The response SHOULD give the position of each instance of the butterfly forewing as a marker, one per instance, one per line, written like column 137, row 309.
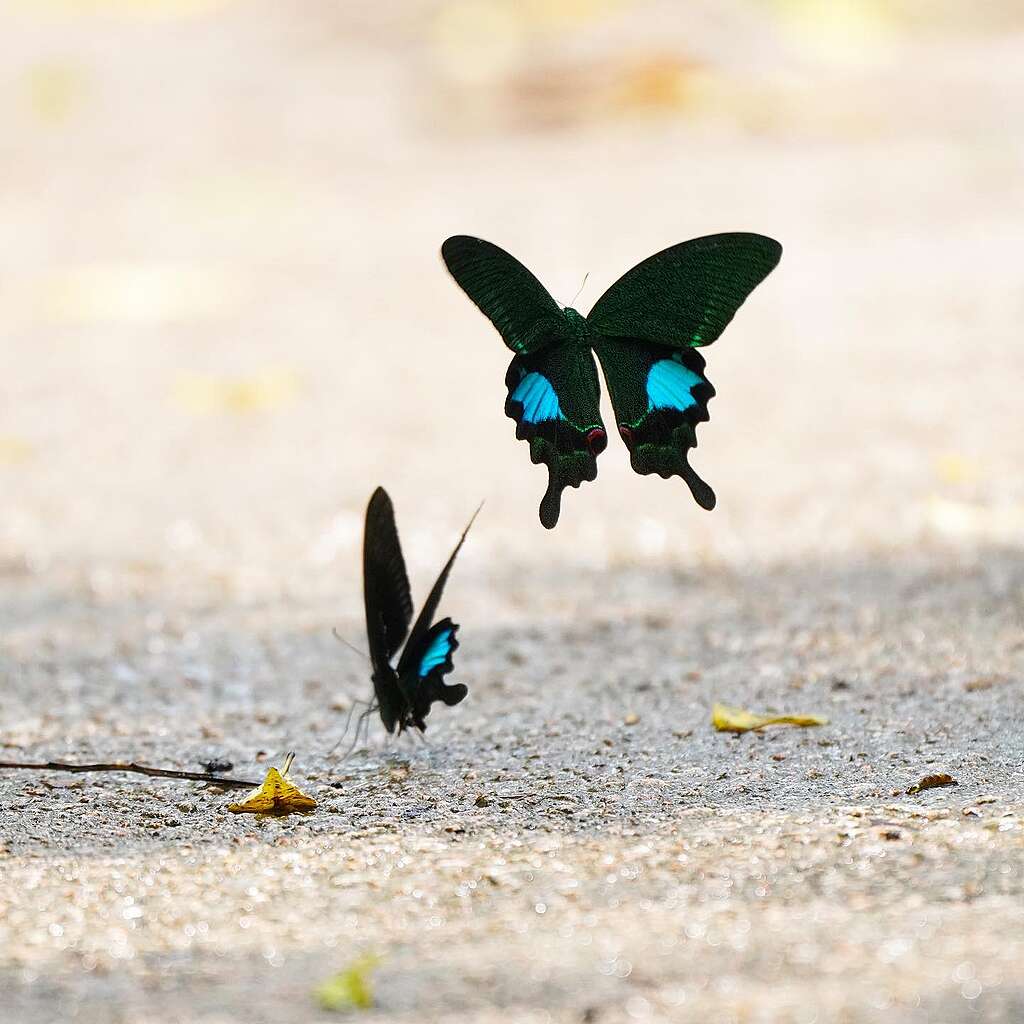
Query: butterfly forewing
column 385, row 583
column 687, row 294
column 526, row 316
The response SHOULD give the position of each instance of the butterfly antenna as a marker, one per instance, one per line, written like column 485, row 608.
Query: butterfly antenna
column 582, row 286
column 351, row 647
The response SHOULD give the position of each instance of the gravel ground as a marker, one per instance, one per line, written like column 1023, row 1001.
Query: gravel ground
column 225, row 322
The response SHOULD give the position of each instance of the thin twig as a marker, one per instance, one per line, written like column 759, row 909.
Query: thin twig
column 138, row 769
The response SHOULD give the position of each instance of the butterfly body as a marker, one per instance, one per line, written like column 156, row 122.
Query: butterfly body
column 404, row 691
column 645, row 331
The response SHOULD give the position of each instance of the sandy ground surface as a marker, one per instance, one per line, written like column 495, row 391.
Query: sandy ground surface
column 224, row 322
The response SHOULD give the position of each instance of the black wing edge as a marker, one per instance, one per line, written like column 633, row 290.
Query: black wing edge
column 423, row 620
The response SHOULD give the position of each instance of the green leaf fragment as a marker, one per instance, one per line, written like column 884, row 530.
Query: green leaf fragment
column 351, row 988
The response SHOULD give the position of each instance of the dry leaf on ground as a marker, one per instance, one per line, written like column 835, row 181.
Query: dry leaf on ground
column 276, row 796
column 932, row 782
column 266, row 391
column 731, row 719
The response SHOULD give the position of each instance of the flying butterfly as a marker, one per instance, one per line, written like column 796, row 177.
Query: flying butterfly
column 404, row 693
column 645, row 330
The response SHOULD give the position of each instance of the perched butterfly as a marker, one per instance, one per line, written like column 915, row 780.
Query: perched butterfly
column 645, row 330
column 405, row 692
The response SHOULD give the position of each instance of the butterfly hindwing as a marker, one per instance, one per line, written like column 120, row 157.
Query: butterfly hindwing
column 660, row 395
column 519, row 306
column 685, row 296
column 554, row 397
column 429, row 663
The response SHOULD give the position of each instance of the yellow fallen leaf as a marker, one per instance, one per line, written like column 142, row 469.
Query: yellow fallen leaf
column 276, row 796
column 54, row 89
column 953, row 468
column 729, row 719
column 265, row 391
column 349, row 988
column 932, row 782
column 658, row 83
column 14, row 449
column 847, row 31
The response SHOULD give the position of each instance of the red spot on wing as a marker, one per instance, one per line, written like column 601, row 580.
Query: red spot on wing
column 597, row 441
column 626, row 434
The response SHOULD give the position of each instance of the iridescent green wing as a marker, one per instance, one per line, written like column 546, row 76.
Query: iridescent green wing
column 686, row 295
column 554, row 397
column 646, row 328
column 518, row 305
column 553, row 391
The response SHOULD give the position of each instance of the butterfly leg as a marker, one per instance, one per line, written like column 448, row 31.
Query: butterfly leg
column 362, row 723
column 348, row 721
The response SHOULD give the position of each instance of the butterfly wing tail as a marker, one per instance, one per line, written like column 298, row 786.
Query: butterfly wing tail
column 663, row 448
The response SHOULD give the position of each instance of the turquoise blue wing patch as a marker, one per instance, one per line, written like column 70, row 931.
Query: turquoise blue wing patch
column 439, row 651
column 424, row 684
column 670, row 385
column 538, row 399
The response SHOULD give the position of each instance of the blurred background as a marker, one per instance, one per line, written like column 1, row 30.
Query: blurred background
column 224, row 318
